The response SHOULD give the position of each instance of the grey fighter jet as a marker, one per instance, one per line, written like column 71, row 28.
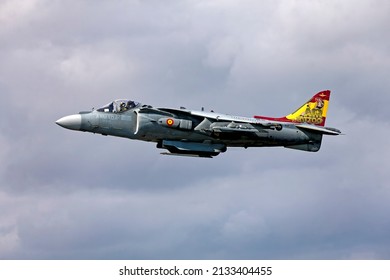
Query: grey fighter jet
column 206, row 134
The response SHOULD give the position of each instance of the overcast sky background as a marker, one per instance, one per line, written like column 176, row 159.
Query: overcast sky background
column 73, row 195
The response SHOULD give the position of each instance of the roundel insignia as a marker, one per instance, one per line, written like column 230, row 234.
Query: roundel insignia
column 170, row 122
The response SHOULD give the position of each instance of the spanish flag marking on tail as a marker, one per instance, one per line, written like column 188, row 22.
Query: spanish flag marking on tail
column 314, row 111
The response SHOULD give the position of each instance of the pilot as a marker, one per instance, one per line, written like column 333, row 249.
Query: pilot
column 123, row 107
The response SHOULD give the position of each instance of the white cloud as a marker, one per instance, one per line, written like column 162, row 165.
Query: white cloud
column 75, row 195
column 14, row 12
column 96, row 65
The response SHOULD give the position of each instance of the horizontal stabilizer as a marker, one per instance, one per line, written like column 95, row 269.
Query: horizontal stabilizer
column 320, row 130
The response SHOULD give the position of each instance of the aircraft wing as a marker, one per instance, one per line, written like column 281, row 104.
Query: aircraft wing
column 212, row 116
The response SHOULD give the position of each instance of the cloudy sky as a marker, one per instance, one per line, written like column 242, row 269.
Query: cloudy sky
column 73, row 195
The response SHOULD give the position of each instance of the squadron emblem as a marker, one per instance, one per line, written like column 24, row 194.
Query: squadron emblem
column 313, row 115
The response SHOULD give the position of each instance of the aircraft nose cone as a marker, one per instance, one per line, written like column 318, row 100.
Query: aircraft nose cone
column 70, row 122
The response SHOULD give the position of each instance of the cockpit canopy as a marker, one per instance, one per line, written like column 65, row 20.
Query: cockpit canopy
column 118, row 106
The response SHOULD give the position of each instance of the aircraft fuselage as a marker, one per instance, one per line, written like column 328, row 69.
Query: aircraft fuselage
column 200, row 133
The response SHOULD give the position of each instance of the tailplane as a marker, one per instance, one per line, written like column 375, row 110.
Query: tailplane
column 312, row 112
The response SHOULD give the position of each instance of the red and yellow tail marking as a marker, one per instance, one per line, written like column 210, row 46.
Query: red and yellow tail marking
column 312, row 112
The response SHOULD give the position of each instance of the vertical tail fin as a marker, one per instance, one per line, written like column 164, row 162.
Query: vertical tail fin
column 312, row 112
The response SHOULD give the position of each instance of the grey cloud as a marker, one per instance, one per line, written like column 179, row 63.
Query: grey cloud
column 75, row 195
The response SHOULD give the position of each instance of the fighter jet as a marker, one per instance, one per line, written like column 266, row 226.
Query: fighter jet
column 206, row 134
